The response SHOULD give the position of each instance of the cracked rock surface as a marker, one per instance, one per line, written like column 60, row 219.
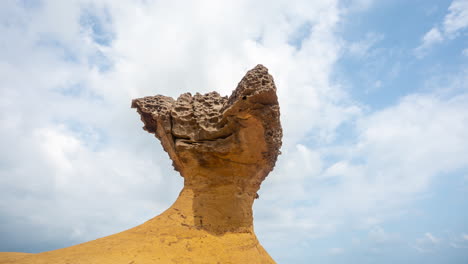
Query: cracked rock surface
column 224, row 147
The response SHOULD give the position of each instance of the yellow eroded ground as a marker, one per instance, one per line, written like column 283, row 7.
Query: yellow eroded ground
column 10, row 257
column 171, row 237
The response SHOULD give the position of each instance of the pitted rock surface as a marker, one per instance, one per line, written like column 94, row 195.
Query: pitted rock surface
column 206, row 123
column 224, row 148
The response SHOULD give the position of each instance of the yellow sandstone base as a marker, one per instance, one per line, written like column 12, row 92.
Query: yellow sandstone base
column 172, row 237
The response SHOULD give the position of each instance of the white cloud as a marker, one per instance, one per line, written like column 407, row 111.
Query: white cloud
column 465, row 52
column 459, row 242
column 77, row 149
column 75, row 153
column 336, row 251
column 397, row 154
column 357, row 5
column 432, row 238
column 454, row 23
column 427, row 243
column 457, row 18
column 363, row 47
column 432, row 37
column 378, row 84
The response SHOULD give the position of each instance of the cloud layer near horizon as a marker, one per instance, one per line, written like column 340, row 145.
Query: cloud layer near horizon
column 76, row 165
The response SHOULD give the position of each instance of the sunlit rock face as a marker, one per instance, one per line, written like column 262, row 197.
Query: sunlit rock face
column 224, row 148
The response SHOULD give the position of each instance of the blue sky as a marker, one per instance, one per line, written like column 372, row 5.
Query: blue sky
column 374, row 108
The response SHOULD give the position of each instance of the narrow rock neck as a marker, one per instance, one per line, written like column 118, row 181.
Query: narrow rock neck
column 216, row 208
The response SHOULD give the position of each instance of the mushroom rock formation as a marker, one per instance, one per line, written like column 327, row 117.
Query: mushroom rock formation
column 224, row 148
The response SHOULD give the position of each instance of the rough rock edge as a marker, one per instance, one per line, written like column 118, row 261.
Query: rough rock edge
column 255, row 94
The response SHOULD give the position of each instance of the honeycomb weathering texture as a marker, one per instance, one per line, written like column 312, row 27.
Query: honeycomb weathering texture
column 224, row 148
column 203, row 123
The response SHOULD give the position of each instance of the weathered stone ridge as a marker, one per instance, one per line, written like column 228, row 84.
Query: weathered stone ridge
column 224, row 148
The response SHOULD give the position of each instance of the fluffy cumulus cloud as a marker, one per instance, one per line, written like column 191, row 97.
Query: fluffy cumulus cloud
column 76, row 165
column 397, row 153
